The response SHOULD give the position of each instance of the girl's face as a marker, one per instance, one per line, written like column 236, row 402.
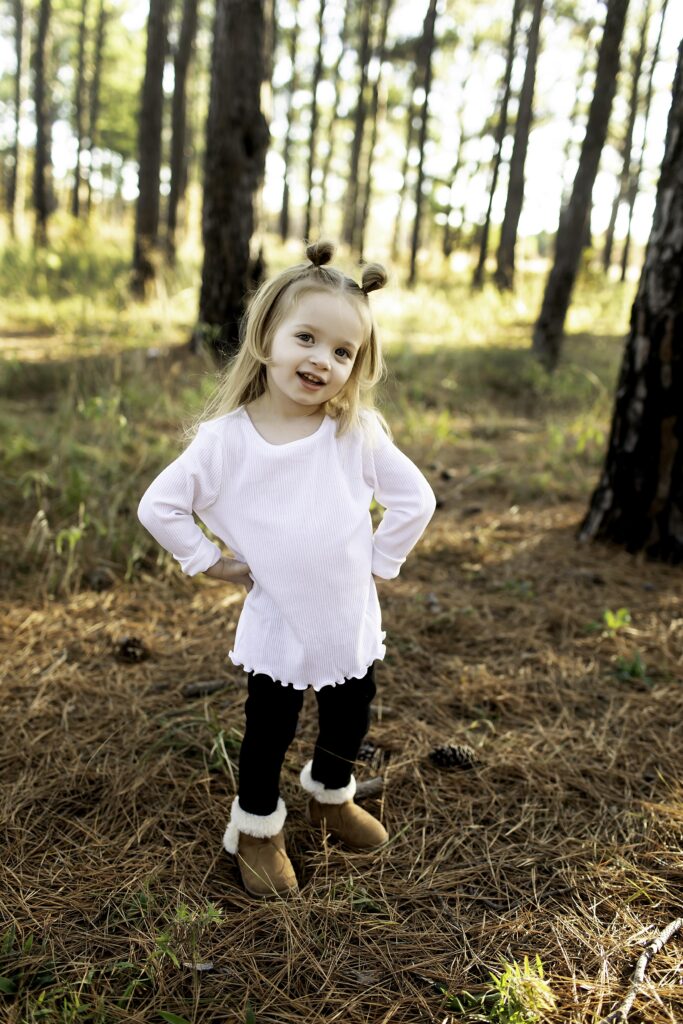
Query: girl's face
column 313, row 351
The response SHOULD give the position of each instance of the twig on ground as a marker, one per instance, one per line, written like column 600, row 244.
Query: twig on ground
column 200, row 689
column 371, row 787
column 619, row 1015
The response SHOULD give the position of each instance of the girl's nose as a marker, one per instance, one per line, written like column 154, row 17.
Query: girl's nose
column 320, row 359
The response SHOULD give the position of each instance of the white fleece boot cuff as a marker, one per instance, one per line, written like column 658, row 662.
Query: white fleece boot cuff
column 258, row 825
column 323, row 795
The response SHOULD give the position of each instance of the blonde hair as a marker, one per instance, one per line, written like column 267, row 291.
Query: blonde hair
column 244, row 378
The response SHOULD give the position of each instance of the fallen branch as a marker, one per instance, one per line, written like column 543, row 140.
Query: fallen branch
column 371, row 787
column 203, row 688
column 619, row 1015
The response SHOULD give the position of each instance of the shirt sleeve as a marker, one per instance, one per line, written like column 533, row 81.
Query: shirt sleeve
column 190, row 484
column 409, row 502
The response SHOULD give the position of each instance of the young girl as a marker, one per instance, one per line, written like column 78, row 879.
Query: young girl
column 285, row 477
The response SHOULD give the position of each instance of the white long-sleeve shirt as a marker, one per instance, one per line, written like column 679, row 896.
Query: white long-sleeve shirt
column 298, row 515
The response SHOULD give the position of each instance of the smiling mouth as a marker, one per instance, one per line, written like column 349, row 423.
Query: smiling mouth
column 311, row 379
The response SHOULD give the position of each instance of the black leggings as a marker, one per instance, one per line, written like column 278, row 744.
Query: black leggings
column 272, row 711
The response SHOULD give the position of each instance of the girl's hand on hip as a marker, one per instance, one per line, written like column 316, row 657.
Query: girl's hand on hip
column 232, row 571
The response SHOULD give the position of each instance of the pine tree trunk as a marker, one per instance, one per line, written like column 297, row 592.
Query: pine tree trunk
column 374, row 122
column 78, row 108
column 505, row 271
column 334, row 116
column 313, row 137
column 94, row 99
column 638, row 502
column 42, row 175
column 287, row 149
column 16, row 193
column 149, row 148
column 410, row 137
column 427, row 48
column 571, row 235
column 350, row 224
column 625, row 176
column 181, row 64
column 634, row 183
column 501, row 131
column 236, row 145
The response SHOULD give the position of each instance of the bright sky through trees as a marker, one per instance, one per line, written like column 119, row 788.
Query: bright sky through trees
column 558, row 68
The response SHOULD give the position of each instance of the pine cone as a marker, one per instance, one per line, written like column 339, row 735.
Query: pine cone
column 454, row 756
column 131, row 650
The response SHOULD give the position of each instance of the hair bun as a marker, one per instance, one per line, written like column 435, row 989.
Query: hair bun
column 374, row 277
column 320, row 253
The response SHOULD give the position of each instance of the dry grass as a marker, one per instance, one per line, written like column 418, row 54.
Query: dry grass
column 565, row 842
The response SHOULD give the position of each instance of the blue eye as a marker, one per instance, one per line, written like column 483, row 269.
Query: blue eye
column 343, row 352
column 304, row 336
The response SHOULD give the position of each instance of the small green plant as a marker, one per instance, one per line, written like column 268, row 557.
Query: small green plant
column 518, row 995
column 612, row 622
column 180, row 942
column 631, row 670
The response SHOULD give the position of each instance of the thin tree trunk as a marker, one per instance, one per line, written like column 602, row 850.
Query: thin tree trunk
column 374, row 121
column 79, row 102
column 638, row 502
column 42, row 176
column 550, row 325
column 505, row 271
column 236, row 144
column 181, row 64
column 334, row 117
column 634, row 184
column 501, row 131
column 287, row 149
column 317, row 75
column 584, row 71
column 149, row 148
column 16, row 199
column 427, row 48
column 410, row 138
column 351, row 199
column 94, row 99
column 625, row 176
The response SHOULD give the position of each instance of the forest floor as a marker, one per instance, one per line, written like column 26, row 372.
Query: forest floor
column 559, row 664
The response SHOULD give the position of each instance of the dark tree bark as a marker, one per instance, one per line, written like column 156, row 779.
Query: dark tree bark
column 625, row 176
column 236, row 144
column 149, row 148
column 374, row 122
column 425, row 63
column 42, row 199
column 287, row 148
column 349, row 227
column 638, row 502
column 313, row 138
column 584, row 71
column 550, row 324
column 94, row 98
column 16, row 192
column 183, row 56
column 501, row 131
column 79, row 104
column 505, row 270
column 634, row 184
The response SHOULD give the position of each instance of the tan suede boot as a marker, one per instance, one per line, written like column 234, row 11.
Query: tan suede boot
column 258, row 843
column 265, row 867
column 336, row 811
column 355, row 827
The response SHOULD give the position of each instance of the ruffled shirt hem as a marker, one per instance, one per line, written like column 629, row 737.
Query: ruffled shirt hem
column 357, row 672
